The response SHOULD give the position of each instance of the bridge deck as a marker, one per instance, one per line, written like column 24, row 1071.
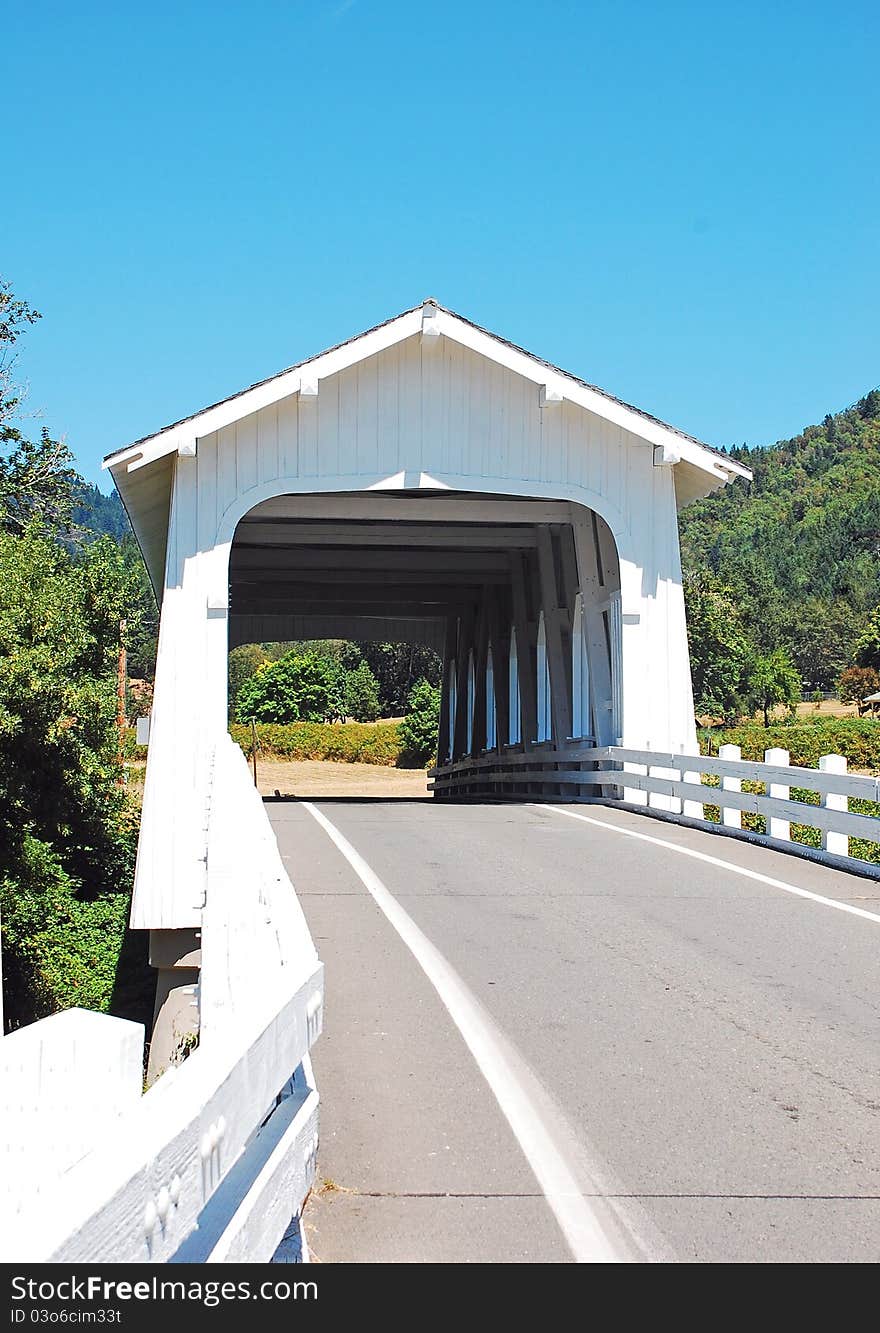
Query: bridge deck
column 700, row 1045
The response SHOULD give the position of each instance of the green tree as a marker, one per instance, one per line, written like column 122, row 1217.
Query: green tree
column 772, row 680
column 299, row 687
column 244, row 662
column 720, row 650
column 866, row 652
column 361, row 694
column 799, row 546
column 420, row 728
column 396, row 667
column 36, row 476
column 67, row 830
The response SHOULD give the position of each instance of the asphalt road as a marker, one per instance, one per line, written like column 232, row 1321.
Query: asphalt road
column 698, row 1048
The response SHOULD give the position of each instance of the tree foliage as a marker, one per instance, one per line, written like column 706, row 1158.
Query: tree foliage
column 67, row 830
column 67, row 834
column 299, row 687
column 244, row 662
column 420, row 728
column 799, row 547
column 720, row 649
column 396, row 667
column 856, row 683
column 866, row 651
column 772, row 680
column 361, row 690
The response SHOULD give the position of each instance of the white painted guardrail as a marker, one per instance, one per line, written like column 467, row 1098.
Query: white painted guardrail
column 675, row 784
column 211, row 1163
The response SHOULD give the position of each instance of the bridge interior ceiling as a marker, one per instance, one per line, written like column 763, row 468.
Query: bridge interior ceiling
column 493, row 587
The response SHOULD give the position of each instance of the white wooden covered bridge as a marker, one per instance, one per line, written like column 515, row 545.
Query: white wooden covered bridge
column 426, row 481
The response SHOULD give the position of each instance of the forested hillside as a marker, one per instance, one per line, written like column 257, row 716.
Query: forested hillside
column 798, row 548
column 102, row 514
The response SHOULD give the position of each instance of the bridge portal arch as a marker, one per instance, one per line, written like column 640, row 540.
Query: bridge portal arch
column 493, row 583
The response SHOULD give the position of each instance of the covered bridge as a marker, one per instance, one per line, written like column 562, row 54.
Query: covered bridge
column 426, row 481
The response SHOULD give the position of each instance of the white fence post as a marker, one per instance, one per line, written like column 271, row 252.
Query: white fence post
column 778, row 828
column 64, row 1080
column 693, row 809
column 730, row 817
column 834, row 842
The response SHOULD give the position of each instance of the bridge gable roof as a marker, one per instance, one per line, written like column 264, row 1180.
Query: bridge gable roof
column 430, row 319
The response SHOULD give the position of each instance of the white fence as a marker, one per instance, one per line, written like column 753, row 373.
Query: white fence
column 676, row 784
column 211, row 1163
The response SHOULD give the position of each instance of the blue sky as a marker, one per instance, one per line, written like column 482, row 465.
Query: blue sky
column 678, row 202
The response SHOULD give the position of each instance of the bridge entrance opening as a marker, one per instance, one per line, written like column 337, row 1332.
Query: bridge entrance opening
column 520, row 599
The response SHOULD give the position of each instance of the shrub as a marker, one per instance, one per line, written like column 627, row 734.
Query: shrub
column 63, row 947
column 420, row 728
column 341, row 742
column 807, row 739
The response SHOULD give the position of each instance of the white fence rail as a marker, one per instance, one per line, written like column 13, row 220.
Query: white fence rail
column 212, row 1161
column 676, row 784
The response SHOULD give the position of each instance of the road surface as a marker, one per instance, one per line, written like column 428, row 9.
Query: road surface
column 695, row 1049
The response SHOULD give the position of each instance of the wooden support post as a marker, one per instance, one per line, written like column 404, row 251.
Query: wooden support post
column 591, row 579
column 462, row 664
column 778, row 828
column 568, row 565
column 838, row 843
column 525, row 661
column 481, row 653
column 730, row 817
column 560, row 685
column 500, row 667
column 443, row 746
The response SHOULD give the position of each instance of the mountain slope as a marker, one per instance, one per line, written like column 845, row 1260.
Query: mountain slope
column 800, row 544
column 98, row 513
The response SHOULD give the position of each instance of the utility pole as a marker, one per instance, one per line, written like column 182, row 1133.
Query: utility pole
column 121, row 719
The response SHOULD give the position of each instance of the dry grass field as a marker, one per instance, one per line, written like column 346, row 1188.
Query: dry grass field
column 312, row 777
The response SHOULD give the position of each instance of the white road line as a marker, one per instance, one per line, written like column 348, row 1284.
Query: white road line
column 584, row 1232
column 717, row 861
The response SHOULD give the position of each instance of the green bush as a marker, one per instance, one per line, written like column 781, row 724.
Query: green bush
column 299, row 687
column 341, row 742
column 420, row 728
column 62, row 947
column 862, row 849
column 856, row 738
